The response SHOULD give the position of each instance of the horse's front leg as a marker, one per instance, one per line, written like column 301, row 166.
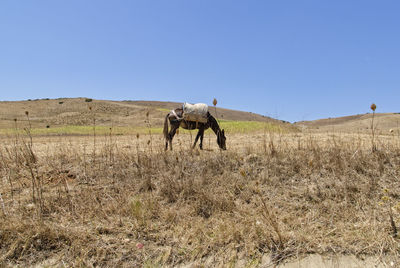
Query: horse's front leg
column 201, row 139
column 196, row 139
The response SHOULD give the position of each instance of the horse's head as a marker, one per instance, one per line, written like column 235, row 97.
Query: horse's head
column 221, row 140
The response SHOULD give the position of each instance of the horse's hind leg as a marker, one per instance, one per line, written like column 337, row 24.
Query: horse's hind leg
column 196, row 139
column 171, row 135
column 168, row 140
column 199, row 135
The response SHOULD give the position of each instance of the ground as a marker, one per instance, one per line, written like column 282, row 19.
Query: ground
column 109, row 195
column 270, row 198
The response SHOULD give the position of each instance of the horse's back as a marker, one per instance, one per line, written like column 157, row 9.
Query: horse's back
column 195, row 112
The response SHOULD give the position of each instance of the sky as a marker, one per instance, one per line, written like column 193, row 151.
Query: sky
column 289, row 59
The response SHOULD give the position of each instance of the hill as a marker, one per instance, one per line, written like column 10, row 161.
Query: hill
column 82, row 111
column 361, row 123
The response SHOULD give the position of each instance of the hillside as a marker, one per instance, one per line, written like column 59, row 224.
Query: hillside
column 79, row 112
column 361, row 123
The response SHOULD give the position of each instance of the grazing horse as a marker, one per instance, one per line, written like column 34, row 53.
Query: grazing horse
column 175, row 118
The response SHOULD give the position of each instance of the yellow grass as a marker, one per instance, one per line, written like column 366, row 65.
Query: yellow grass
column 80, row 201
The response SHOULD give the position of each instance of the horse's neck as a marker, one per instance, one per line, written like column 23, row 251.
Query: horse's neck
column 179, row 112
column 214, row 125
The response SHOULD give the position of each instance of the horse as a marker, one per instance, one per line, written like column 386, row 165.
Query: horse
column 176, row 120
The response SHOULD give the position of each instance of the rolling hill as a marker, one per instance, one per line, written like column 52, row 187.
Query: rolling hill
column 50, row 113
column 82, row 111
column 361, row 123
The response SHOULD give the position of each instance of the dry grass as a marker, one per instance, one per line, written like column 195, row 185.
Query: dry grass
column 282, row 195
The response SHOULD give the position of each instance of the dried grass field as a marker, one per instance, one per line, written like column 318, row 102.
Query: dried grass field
column 123, row 201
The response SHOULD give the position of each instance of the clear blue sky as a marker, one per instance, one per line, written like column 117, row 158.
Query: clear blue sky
column 289, row 59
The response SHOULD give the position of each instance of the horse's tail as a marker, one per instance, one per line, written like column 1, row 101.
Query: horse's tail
column 165, row 130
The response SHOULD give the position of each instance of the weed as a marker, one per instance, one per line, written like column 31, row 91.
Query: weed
column 373, row 108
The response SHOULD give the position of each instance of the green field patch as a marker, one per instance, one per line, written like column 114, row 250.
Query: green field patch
column 243, row 127
column 229, row 126
column 82, row 130
column 163, row 110
column 249, row 126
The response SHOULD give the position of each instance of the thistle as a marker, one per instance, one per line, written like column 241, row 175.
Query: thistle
column 215, row 107
column 373, row 108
